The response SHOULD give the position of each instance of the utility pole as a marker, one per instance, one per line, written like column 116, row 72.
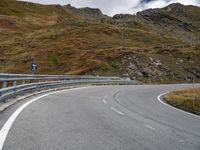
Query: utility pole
column 193, row 93
column 120, row 29
column 123, row 34
column 149, row 73
column 151, row 59
column 149, row 77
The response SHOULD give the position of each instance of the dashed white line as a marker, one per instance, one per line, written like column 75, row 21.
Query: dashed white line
column 147, row 126
column 104, row 101
column 117, row 111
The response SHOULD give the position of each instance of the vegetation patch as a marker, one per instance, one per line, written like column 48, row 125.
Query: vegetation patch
column 55, row 59
column 184, row 99
column 106, row 67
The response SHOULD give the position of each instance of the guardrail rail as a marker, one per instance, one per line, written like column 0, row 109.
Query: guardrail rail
column 16, row 84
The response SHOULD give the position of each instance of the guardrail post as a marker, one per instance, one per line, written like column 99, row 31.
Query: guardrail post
column 24, row 82
column 14, row 83
column 5, row 84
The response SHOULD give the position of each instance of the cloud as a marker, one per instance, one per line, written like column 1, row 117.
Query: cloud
column 111, row 7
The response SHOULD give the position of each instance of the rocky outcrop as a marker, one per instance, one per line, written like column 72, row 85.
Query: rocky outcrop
column 152, row 69
column 122, row 16
column 87, row 12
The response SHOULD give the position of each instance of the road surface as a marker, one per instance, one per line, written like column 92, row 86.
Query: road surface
column 103, row 118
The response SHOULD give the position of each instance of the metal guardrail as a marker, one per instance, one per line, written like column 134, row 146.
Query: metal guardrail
column 29, row 76
column 50, row 81
column 5, row 78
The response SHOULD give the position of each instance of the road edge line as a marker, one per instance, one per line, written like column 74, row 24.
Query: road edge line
column 8, row 124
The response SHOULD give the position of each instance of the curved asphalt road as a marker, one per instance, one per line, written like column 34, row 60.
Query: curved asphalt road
column 104, row 118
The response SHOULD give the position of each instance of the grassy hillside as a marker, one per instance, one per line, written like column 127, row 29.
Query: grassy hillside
column 64, row 42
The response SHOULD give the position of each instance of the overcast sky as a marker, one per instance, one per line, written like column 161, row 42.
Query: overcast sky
column 111, row 7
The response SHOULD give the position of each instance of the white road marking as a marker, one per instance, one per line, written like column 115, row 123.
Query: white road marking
column 104, row 101
column 5, row 129
column 117, row 111
column 149, row 127
column 161, row 101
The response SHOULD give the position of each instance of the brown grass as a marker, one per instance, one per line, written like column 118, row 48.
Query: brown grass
column 61, row 42
column 184, row 99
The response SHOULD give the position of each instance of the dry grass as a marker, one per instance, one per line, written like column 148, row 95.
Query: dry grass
column 184, row 99
column 64, row 43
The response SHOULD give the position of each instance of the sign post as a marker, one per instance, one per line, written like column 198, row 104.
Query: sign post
column 193, row 94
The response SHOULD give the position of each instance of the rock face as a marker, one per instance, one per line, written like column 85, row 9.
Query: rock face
column 176, row 8
column 122, row 16
column 177, row 20
column 162, row 19
column 150, row 69
column 87, row 12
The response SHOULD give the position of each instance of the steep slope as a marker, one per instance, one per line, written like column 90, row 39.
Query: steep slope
column 176, row 20
column 66, row 40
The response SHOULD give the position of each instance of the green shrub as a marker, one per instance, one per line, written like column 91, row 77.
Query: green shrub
column 55, row 59
column 105, row 67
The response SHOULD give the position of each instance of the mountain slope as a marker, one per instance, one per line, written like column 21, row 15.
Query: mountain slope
column 176, row 20
column 67, row 40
